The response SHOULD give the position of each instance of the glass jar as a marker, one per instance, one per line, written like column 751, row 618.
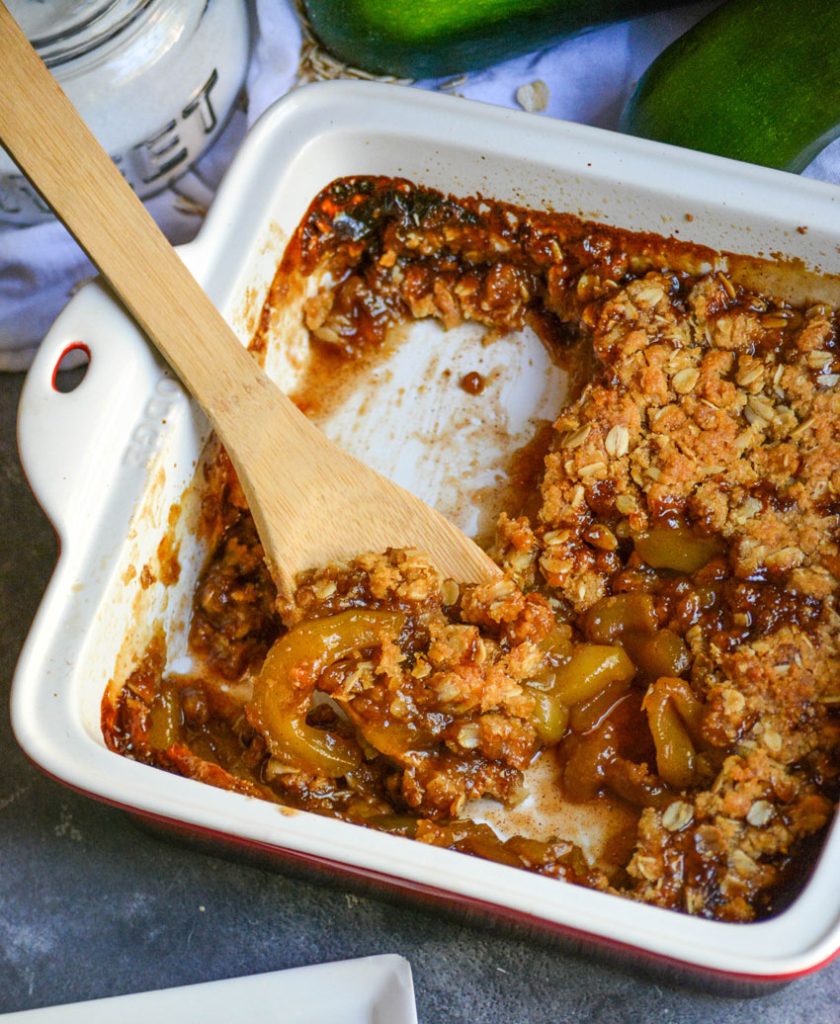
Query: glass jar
column 154, row 80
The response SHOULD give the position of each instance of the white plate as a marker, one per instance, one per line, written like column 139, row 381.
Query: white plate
column 374, row 990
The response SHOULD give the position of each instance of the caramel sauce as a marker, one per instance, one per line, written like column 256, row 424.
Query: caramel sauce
column 473, row 383
column 520, row 492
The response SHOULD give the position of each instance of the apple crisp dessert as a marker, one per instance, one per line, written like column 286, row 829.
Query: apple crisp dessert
column 664, row 628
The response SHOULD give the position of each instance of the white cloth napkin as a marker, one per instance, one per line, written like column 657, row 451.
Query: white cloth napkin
column 589, row 78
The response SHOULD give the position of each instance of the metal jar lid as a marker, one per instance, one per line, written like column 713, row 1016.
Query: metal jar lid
column 63, row 30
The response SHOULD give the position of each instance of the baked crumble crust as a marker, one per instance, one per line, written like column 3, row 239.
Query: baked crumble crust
column 666, row 627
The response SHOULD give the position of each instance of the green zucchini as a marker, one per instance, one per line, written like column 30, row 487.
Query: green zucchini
column 757, row 80
column 428, row 38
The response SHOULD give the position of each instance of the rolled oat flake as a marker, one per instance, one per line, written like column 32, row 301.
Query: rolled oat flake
column 154, row 79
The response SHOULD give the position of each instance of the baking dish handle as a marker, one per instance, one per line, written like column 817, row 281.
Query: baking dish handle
column 75, row 444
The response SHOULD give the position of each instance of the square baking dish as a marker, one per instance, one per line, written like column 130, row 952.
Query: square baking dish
column 110, row 460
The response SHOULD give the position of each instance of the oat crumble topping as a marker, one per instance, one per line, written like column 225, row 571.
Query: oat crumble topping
column 666, row 628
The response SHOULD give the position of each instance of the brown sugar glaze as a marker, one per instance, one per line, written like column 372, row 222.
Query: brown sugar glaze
column 666, row 631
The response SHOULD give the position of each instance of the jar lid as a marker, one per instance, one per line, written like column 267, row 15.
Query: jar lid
column 61, row 30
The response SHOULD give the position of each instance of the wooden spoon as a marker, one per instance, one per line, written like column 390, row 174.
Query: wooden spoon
column 312, row 503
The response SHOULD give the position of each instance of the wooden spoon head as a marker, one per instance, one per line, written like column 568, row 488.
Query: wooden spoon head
column 330, row 507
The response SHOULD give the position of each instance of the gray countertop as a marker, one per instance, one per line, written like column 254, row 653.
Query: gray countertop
column 91, row 905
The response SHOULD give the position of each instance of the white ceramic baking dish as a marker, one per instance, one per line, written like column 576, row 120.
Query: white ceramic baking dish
column 109, row 460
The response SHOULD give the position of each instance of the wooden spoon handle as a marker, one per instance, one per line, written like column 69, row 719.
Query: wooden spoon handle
column 61, row 157
column 311, row 502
